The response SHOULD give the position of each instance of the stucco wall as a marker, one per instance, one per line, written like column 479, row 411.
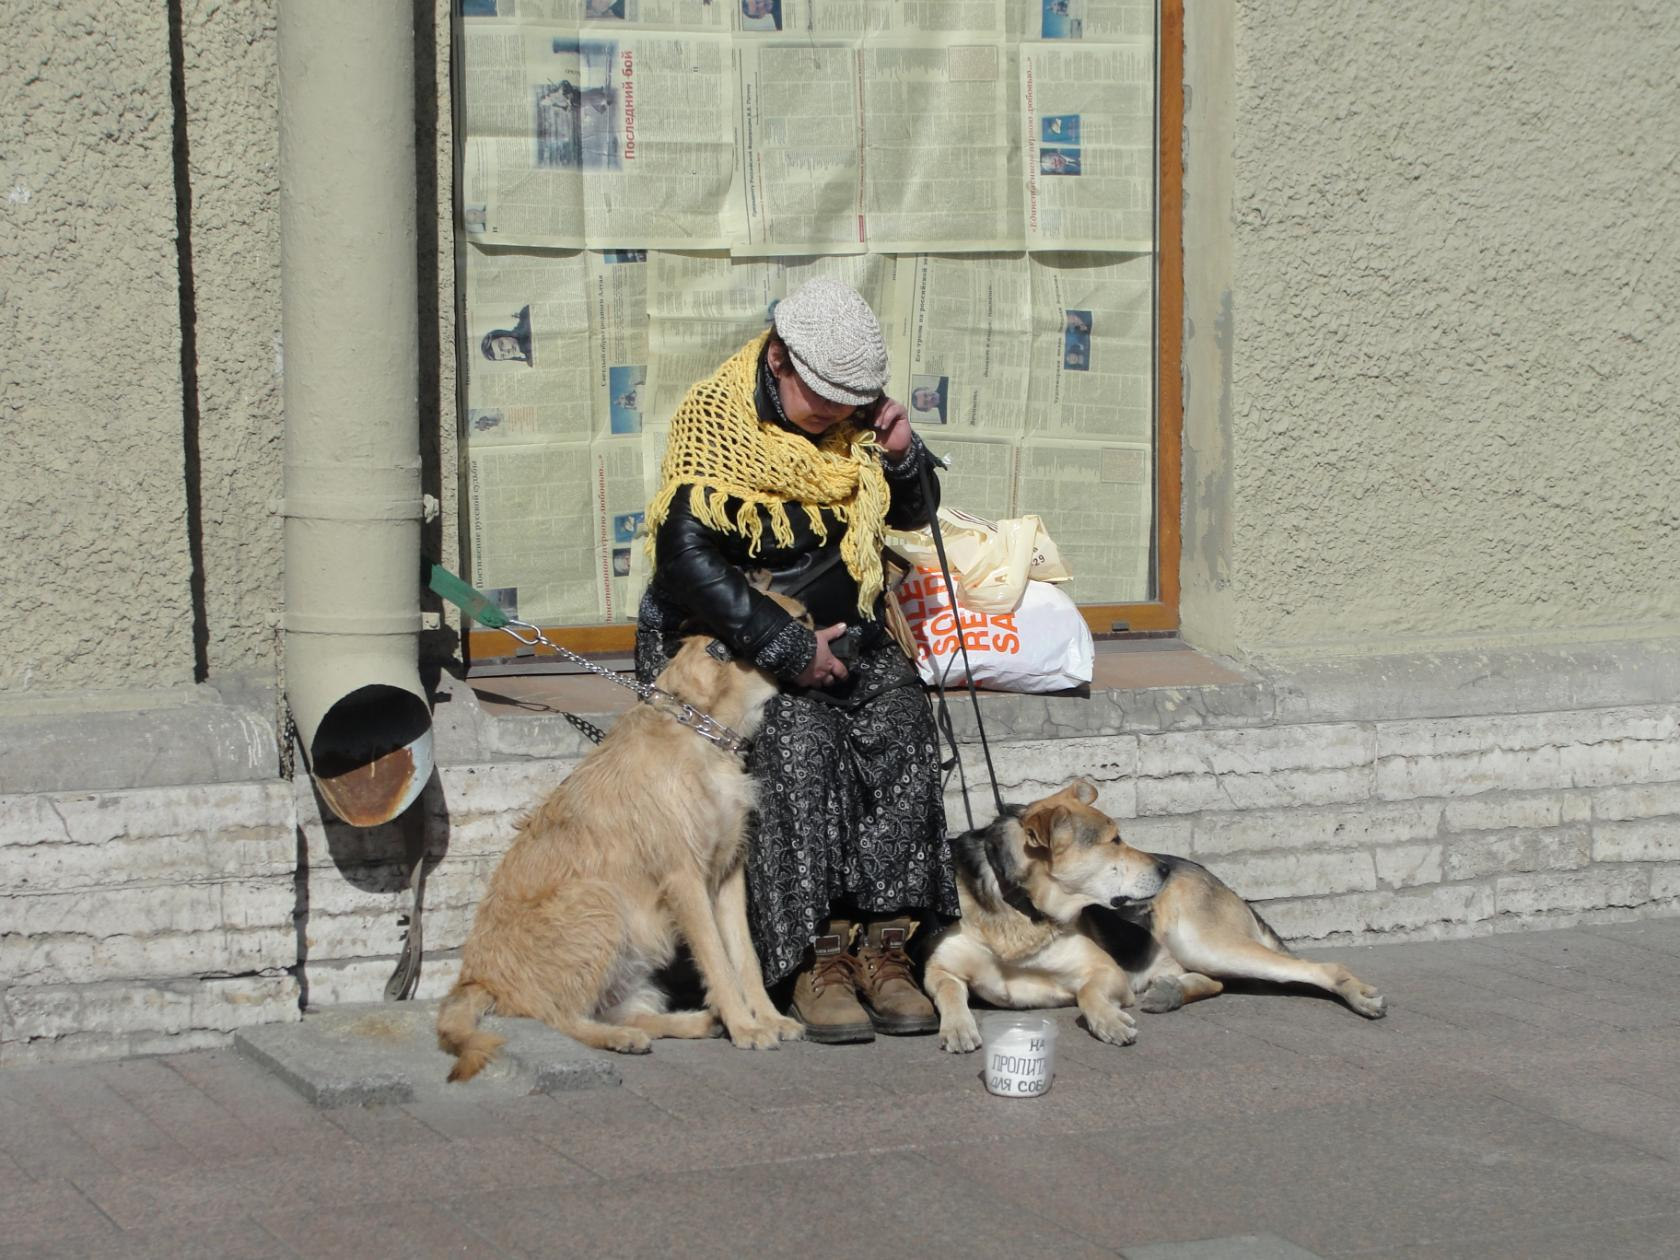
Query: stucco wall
column 96, row 563
column 95, row 496
column 233, row 156
column 1448, row 327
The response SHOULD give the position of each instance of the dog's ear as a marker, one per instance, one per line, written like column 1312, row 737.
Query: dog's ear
column 1084, row 791
column 759, row 580
column 1041, row 823
column 693, row 674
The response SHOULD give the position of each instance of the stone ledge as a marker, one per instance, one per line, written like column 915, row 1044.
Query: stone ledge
column 206, row 736
column 1254, row 693
column 386, row 1052
column 127, row 1016
column 191, row 737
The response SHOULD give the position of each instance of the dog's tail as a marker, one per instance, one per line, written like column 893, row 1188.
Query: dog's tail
column 458, row 1031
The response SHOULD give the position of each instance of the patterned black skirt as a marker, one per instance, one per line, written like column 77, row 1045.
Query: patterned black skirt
column 851, row 813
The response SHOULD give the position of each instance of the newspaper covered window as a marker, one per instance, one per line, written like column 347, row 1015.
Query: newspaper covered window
column 643, row 180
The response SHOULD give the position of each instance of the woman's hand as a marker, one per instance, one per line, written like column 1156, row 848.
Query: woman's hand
column 825, row 669
column 891, row 423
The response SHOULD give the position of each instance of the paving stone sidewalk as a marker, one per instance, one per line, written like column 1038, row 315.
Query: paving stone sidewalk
column 1522, row 1100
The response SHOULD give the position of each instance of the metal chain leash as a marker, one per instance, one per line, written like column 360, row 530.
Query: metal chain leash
column 703, row 724
column 482, row 609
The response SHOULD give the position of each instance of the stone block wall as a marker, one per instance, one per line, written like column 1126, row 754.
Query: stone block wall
column 1401, row 830
column 159, row 919
column 144, row 921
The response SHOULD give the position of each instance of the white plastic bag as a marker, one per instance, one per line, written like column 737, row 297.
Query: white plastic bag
column 1044, row 645
column 992, row 560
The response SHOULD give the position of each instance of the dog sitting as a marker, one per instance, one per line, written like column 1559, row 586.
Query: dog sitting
column 1024, row 940
column 640, row 846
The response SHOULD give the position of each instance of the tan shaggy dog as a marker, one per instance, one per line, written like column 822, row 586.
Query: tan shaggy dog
column 641, row 846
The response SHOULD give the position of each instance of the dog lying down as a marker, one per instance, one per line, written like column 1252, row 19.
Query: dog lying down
column 1024, row 882
column 640, row 846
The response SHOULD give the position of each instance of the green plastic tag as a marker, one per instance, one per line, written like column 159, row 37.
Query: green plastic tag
column 475, row 604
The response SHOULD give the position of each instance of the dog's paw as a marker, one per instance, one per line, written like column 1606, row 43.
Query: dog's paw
column 786, row 1029
column 1117, row 1028
column 1366, row 1000
column 754, row 1037
column 1163, row 994
column 960, row 1036
column 630, row 1041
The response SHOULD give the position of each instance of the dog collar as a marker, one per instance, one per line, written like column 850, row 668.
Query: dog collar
column 1013, row 894
column 702, row 724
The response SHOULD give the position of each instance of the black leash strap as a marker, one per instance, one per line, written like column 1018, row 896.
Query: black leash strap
column 405, row 979
column 594, row 734
column 932, row 501
column 942, row 718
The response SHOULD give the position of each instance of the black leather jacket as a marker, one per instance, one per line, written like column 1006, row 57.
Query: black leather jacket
column 702, row 571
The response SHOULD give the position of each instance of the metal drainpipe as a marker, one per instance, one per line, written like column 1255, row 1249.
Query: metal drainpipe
column 352, row 472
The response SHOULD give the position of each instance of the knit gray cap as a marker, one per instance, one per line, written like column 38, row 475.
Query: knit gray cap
column 835, row 341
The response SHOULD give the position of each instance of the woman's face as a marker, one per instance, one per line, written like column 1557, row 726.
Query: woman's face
column 505, row 348
column 804, row 407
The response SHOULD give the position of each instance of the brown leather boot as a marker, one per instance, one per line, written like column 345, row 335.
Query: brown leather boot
column 825, row 993
column 886, row 984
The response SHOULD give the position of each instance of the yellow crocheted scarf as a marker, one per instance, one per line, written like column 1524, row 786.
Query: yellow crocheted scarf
column 719, row 446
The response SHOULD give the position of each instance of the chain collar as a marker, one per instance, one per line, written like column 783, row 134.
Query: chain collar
column 703, row 724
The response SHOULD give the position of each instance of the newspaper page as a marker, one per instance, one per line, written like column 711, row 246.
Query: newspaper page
column 1014, row 156
column 554, row 527
column 980, row 473
column 620, row 498
column 1097, row 502
column 528, row 323
column 968, row 349
column 662, row 178
column 798, row 126
column 701, row 309
column 1093, row 363
column 617, row 143
column 1088, row 145
column 712, row 14
column 532, row 530
column 557, row 346
column 936, row 139
column 618, row 339
column 869, row 17
column 522, row 170
column 1083, row 19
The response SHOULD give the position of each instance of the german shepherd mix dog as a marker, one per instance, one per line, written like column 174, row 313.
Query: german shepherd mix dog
column 640, row 846
column 1024, row 941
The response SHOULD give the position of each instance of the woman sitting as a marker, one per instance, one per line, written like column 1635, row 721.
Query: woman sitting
column 791, row 459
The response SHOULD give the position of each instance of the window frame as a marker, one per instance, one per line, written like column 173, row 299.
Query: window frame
column 1108, row 620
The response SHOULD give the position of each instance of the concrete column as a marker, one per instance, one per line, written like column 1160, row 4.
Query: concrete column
column 352, row 467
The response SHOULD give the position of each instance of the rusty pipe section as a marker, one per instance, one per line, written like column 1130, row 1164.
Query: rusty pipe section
column 352, row 463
